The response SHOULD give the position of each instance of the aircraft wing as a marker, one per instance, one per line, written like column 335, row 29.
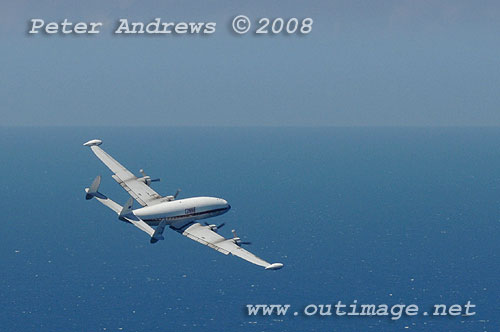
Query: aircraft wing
column 205, row 235
column 140, row 191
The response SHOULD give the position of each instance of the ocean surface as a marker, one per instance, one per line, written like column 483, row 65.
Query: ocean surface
column 377, row 215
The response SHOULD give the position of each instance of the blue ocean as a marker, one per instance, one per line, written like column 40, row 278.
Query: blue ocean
column 376, row 215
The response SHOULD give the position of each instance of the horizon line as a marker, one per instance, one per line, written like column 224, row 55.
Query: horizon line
column 249, row 126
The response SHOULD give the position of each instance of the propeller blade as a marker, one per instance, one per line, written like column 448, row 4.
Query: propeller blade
column 142, row 172
column 245, row 242
column 221, row 225
column 177, row 192
column 155, row 180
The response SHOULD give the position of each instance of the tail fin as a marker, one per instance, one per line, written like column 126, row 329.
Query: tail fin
column 158, row 234
column 127, row 208
column 93, row 190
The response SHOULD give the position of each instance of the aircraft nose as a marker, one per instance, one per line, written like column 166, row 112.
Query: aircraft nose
column 225, row 203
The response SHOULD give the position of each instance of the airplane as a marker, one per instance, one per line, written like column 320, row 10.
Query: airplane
column 181, row 215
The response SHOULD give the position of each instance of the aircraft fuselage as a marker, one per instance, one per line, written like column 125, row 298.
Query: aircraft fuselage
column 188, row 209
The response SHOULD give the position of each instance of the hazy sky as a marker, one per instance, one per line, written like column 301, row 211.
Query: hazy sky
column 365, row 63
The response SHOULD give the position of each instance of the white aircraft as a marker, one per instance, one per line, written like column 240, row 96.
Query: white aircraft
column 180, row 214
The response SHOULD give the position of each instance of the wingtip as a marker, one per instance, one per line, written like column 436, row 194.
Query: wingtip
column 93, row 142
column 274, row 266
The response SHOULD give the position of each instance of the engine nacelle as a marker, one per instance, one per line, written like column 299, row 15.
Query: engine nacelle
column 146, row 179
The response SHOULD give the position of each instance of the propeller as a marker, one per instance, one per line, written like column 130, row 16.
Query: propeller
column 146, row 178
column 177, row 192
column 213, row 227
column 237, row 240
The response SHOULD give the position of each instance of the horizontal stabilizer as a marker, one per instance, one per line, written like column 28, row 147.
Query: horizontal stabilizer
column 108, row 202
column 126, row 214
column 139, row 223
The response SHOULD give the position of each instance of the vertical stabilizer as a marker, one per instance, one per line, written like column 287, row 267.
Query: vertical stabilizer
column 158, row 234
column 93, row 190
column 127, row 208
